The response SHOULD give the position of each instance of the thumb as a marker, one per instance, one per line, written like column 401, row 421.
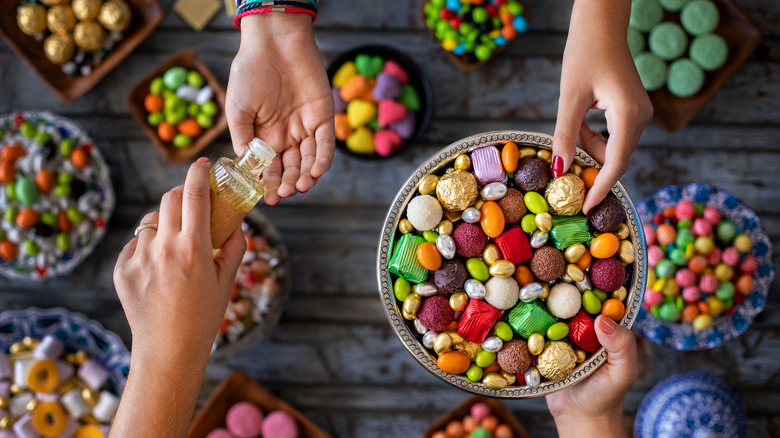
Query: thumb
column 621, row 348
column 229, row 257
column 571, row 112
column 241, row 124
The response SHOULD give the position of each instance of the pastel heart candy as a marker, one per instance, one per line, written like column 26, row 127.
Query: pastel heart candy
column 409, row 98
column 360, row 112
column 368, row 95
column 361, row 141
column 387, row 87
column 386, row 142
column 338, row 103
column 392, row 68
column 354, row 88
column 344, row 73
column 390, row 111
column 368, row 65
column 343, row 129
column 405, row 127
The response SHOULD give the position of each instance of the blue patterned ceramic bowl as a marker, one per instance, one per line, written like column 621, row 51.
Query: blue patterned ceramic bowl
column 681, row 336
column 76, row 330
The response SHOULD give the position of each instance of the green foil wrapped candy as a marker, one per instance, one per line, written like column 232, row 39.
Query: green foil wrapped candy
column 404, row 261
column 527, row 318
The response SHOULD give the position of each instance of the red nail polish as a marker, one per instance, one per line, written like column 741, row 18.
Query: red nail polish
column 607, row 325
column 203, row 160
column 557, row 166
column 303, row 192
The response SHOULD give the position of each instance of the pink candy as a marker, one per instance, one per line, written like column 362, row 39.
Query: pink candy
column 712, row 215
column 390, row 111
column 708, row 283
column 713, row 258
column 392, row 68
column 731, row 256
column 653, row 298
column 749, row 265
column 685, row 277
column 386, row 142
column 654, row 255
column 701, row 227
column 649, row 234
column 685, row 210
column 691, row 294
column 480, row 411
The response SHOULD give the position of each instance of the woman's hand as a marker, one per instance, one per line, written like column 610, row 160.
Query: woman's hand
column 278, row 91
column 599, row 73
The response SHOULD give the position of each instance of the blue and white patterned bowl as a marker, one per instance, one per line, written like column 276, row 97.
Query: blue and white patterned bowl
column 76, row 330
column 680, row 336
column 691, row 405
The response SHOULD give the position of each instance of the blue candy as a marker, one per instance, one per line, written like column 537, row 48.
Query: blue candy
column 519, row 24
column 500, row 41
column 460, row 49
column 454, row 5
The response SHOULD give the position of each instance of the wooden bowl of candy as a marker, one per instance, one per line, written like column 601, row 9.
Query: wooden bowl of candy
column 62, row 374
column 710, row 267
column 180, row 106
column 493, row 283
column 477, row 413
column 73, row 46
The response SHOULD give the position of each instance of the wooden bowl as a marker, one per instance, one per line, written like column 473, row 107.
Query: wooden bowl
column 147, row 15
column 238, row 387
column 742, row 37
column 189, row 60
column 459, row 412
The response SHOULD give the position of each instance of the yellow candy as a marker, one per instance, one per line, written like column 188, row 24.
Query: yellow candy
column 723, row 272
column 495, row 33
column 671, row 289
column 743, row 243
column 449, row 45
column 715, row 306
column 361, row 141
column 651, row 277
column 658, row 285
column 360, row 112
column 344, row 73
column 702, row 322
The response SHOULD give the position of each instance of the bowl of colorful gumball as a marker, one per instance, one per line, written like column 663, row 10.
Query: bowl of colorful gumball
column 383, row 101
column 710, row 267
column 477, row 417
column 491, row 275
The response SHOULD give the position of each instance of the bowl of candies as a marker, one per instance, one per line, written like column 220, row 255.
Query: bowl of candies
column 61, row 374
column 477, row 417
column 383, row 101
column 710, row 267
column 180, row 106
column 492, row 277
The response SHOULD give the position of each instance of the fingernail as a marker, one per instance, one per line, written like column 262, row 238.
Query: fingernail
column 303, row 192
column 316, row 178
column 606, row 324
column 557, row 166
column 203, row 160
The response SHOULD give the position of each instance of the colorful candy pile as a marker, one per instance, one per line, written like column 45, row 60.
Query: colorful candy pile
column 376, row 105
column 701, row 266
column 46, row 390
column 500, row 302
column 480, row 423
column 474, row 30
column 80, row 32
column 180, row 106
column 245, row 420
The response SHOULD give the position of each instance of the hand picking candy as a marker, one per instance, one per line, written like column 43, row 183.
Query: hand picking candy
column 246, row 420
column 701, row 266
column 520, row 274
column 48, row 390
column 481, row 422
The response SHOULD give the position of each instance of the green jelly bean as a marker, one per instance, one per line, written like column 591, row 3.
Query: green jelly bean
column 602, row 296
column 528, row 223
column 402, row 288
column 204, row 121
column 174, row 117
column 31, row 248
column 10, row 214
column 193, row 109
column 74, row 215
column 64, row 178
column 28, row 130
column 430, row 236
column 442, row 26
column 483, row 52
column 485, row 358
column 66, row 147
column 438, row 3
column 503, row 331
column 678, row 257
column 557, row 331
column 26, row 191
column 42, row 137
column 514, row 8
column 154, row 119
column 535, row 202
column 48, row 218
column 175, row 77
column 209, row 108
column 62, row 191
column 679, row 302
column 669, row 312
column 465, row 28
column 195, row 79
column 63, row 241
column 169, row 95
column 478, row 269
column 157, row 85
column 480, row 15
column 182, row 141
column 450, row 34
column 725, row 291
column 10, row 191
column 474, row 373
column 591, row 303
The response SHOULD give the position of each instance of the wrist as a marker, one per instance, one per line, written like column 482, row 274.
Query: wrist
column 607, row 424
column 271, row 24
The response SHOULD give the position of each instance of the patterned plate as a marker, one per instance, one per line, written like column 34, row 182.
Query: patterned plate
column 682, row 337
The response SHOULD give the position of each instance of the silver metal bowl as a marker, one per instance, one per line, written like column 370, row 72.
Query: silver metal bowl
column 406, row 331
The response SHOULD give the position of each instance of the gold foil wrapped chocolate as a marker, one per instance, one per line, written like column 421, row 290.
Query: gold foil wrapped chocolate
column 557, row 361
column 31, row 19
column 54, row 2
column 60, row 19
column 115, row 15
column 565, row 195
column 468, row 348
column 86, row 9
column 89, row 36
column 59, row 49
column 457, row 190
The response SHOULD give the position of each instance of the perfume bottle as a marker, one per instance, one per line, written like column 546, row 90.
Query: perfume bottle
column 236, row 188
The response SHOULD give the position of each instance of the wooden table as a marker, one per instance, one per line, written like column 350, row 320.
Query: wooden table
column 334, row 355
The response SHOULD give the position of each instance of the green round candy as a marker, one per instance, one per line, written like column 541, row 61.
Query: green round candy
column 10, row 191
column 157, row 86
column 667, row 41
column 678, row 257
column 699, row 17
column 665, row 269
column 401, row 288
column 48, row 218
column 64, row 178
column 154, row 119
column 709, row 51
column 557, row 331
column 480, row 432
column 450, row 34
column 726, row 231
column 42, row 137
column 684, row 223
column 485, row 358
column 63, row 241
column 439, row 3
column 66, row 147
column 474, row 373
column 10, row 214
column 636, row 41
column 651, row 69
column 477, row 269
column 483, row 52
column 480, row 15
column 725, row 291
column 74, row 215
column 465, row 28
column 442, row 26
column 205, row 121
column 602, row 296
column 62, row 190
column 684, row 237
column 514, row 8
column 535, row 202
column 645, row 14
column 668, row 311
column 193, row 109
column 679, row 303
column 182, row 141
column 591, row 303
column 503, row 331
column 430, row 22
column 430, row 236
column 195, row 79
column 209, row 108
column 672, row 5
column 174, row 117
column 685, row 78
column 31, row 248
column 26, row 191
column 528, row 223
column 28, row 130
column 168, row 94
column 175, row 77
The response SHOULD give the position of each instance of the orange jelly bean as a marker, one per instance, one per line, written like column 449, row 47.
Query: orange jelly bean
column 79, row 158
column 166, row 131
column 7, row 172
column 470, row 424
column 492, row 219
column 493, row 368
column 45, row 180
column 440, row 434
column 585, row 260
column 153, row 103
column 523, row 275
column 588, row 176
column 666, row 234
column 490, row 423
column 8, row 249
column 745, row 284
column 63, row 223
column 689, row 312
column 510, row 157
column 605, row 246
column 703, row 307
column 454, row 428
column 454, row 362
column 12, row 153
column 355, row 87
column 697, row 264
column 189, row 127
column 27, row 218
column 429, row 256
column 613, row 309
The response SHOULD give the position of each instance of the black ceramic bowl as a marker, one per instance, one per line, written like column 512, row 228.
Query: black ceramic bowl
column 417, row 79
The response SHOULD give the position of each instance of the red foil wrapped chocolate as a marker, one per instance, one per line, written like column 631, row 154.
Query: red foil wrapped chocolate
column 514, row 245
column 582, row 332
column 477, row 320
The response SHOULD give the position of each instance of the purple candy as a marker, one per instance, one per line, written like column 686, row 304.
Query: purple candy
column 93, row 374
column 387, row 87
column 65, row 370
column 338, row 102
column 49, row 348
column 487, row 165
column 5, row 367
column 5, row 388
column 5, row 433
column 405, row 127
column 23, row 427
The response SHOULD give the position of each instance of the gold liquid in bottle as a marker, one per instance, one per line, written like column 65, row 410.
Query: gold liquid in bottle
column 236, row 188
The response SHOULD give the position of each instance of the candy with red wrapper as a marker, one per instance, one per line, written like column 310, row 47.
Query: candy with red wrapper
column 582, row 332
column 514, row 245
column 477, row 320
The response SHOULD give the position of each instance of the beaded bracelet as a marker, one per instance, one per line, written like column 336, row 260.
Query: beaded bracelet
column 308, row 7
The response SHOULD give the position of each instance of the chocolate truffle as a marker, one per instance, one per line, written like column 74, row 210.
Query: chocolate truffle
column 514, row 357
column 513, row 206
column 470, row 240
column 451, row 276
column 608, row 274
column 548, row 263
column 564, row 300
column 607, row 216
column 435, row 313
column 532, row 175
